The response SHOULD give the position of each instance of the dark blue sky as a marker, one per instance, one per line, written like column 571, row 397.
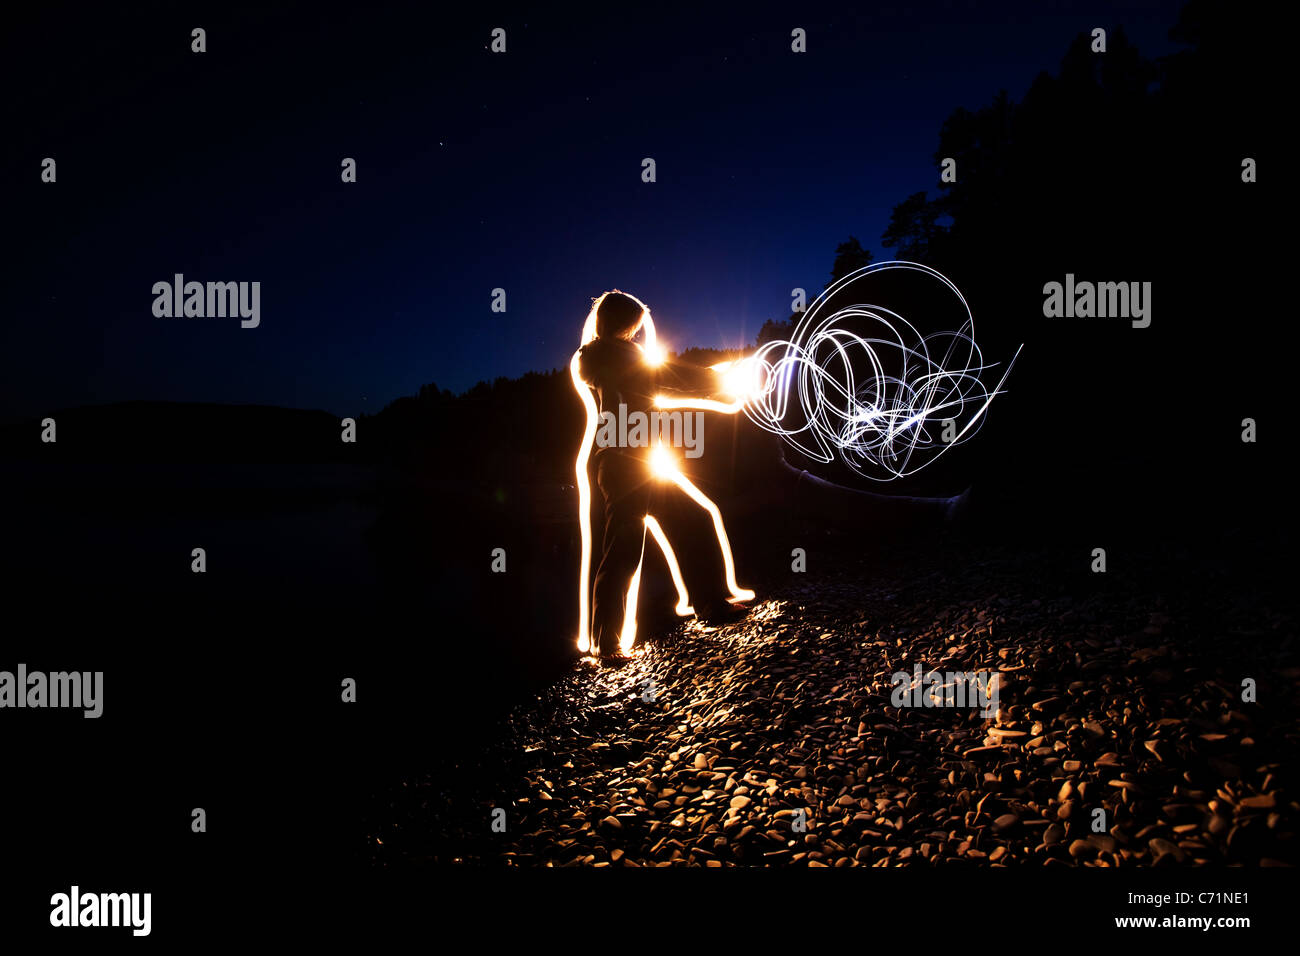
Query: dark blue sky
column 476, row 171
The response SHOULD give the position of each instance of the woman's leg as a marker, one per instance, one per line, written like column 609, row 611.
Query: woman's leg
column 624, row 484
column 690, row 531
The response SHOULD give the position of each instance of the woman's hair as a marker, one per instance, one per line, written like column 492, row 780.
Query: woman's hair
column 618, row 315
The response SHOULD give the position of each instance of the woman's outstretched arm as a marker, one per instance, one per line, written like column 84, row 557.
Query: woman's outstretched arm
column 716, row 388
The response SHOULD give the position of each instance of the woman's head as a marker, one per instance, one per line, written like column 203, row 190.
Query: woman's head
column 618, row 315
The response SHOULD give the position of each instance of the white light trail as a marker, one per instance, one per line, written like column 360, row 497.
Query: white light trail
column 861, row 384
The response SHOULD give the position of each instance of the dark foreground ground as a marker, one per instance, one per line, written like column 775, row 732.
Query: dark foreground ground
column 223, row 688
column 1121, row 703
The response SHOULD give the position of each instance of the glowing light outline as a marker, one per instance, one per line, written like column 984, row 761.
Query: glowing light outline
column 683, row 608
column 654, row 355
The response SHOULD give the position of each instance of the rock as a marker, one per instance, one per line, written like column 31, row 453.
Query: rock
column 1160, row 847
column 1160, row 748
column 1102, row 842
column 1082, row 850
column 1263, row 801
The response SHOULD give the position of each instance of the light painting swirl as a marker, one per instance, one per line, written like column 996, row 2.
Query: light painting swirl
column 861, row 384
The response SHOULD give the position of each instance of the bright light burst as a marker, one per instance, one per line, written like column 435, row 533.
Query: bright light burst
column 743, row 379
column 661, row 462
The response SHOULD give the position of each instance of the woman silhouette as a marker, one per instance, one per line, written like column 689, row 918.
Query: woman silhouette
column 622, row 373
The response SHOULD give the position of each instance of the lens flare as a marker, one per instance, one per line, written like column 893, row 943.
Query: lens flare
column 743, row 379
column 661, row 462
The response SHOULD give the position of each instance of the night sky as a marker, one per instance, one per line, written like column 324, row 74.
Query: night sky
column 475, row 171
